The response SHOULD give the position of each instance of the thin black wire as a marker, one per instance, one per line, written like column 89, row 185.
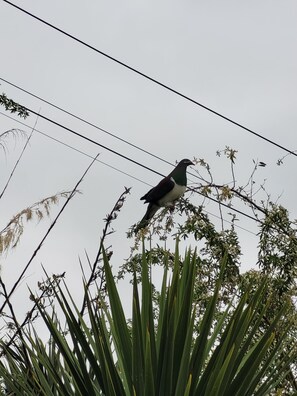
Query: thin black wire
column 84, row 120
column 146, row 76
column 106, row 164
column 75, row 149
column 93, row 125
column 130, row 159
column 94, row 142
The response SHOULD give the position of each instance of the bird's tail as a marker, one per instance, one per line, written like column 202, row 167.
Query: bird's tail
column 151, row 210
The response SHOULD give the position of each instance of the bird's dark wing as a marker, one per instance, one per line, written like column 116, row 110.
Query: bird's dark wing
column 159, row 191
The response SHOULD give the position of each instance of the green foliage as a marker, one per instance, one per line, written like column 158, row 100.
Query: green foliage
column 13, row 107
column 209, row 331
column 278, row 248
column 104, row 354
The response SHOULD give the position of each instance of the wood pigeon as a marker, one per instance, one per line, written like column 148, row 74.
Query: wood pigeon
column 169, row 190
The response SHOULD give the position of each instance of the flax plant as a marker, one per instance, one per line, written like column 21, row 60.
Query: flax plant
column 103, row 353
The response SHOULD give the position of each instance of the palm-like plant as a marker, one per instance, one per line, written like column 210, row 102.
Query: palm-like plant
column 104, row 354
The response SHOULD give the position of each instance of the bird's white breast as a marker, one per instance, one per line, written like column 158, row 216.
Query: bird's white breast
column 173, row 195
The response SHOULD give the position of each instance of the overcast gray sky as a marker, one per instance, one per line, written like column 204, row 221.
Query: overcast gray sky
column 236, row 57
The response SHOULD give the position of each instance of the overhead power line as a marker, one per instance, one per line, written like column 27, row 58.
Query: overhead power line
column 84, row 120
column 146, row 76
column 75, row 149
column 108, row 165
column 93, row 125
column 129, row 159
column 94, row 141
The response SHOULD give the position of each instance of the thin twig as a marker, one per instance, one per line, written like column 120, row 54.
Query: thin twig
column 16, row 323
column 109, row 218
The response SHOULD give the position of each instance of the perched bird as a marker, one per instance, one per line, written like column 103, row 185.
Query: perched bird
column 169, row 190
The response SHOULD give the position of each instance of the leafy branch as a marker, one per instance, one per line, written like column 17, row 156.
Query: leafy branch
column 13, row 107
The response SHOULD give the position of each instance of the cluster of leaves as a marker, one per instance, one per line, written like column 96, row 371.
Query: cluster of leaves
column 104, row 354
column 213, row 246
column 278, row 248
column 13, row 107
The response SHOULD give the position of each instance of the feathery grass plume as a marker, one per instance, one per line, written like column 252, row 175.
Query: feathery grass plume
column 11, row 234
column 14, row 133
column 18, row 160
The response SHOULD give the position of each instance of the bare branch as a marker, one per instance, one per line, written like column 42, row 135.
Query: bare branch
column 108, row 220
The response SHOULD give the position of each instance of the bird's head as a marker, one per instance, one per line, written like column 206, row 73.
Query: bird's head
column 185, row 162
